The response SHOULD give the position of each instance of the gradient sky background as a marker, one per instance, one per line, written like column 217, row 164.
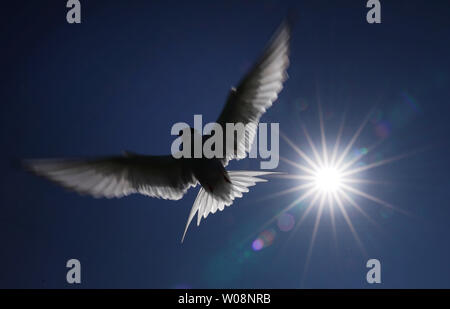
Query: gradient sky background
column 122, row 78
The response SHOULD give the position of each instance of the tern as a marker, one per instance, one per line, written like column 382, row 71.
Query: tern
column 169, row 178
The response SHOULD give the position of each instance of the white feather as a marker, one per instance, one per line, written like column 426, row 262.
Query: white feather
column 207, row 203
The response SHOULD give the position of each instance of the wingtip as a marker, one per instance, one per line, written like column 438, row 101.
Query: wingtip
column 184, row 234
column 291, row 17
column 28, row 165
column 21, row 164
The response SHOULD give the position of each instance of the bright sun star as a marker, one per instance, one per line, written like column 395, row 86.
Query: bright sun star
column 329, row 179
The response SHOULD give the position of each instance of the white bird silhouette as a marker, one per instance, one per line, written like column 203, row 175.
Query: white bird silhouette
column 169, row 178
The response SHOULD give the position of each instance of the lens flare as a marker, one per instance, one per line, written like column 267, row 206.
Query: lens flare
column 285, row 222
column 257, row 244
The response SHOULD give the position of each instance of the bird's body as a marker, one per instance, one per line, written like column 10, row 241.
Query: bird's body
column 212, row 176
column 169, row 178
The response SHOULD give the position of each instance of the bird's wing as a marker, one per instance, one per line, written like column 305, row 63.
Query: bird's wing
column 256, row 93
column 157, row 176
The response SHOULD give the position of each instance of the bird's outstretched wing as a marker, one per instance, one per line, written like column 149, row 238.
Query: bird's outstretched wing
column 256, row 93
column 156, row 176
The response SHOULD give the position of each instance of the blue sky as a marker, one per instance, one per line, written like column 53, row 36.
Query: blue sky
column 131, row 69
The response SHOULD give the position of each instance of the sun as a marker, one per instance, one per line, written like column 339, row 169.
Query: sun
column 329, row 176
column 328, row 179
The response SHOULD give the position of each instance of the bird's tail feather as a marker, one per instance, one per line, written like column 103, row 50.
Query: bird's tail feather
column 206, row 203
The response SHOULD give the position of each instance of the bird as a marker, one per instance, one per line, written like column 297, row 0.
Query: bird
column 167, row 177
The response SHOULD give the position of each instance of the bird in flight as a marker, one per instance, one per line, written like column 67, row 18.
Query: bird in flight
column 169, row 178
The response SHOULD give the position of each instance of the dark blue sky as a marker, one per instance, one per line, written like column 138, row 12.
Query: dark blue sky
column 131, row 69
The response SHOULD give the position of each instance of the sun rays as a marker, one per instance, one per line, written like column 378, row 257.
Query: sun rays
column 329, row 177
column 332, row 178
